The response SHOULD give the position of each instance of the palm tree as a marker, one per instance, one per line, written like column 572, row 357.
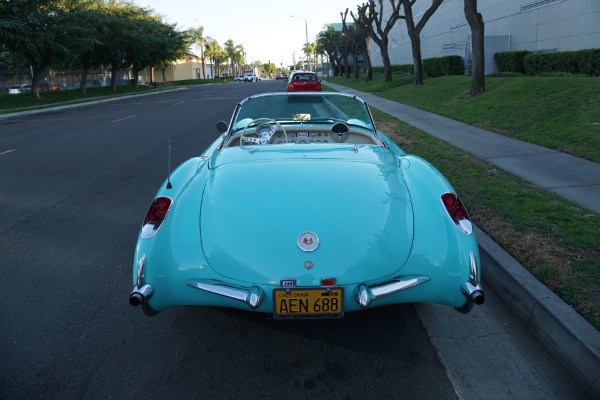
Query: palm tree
column 230, row 49
column 240, row 58
column 212, row 50
column 197, row 37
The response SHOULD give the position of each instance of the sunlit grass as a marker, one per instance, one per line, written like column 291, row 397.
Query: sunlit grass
column 561, row 113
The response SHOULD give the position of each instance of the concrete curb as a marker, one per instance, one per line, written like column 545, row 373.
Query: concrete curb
column 563, row 332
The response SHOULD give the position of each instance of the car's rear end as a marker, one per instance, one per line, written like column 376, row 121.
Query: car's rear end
column 301, row 231
column 304, row 82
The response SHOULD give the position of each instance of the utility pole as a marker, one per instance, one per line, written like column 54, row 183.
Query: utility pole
column 307, row 50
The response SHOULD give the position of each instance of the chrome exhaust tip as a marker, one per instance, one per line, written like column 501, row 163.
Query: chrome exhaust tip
column 473, row 292
column 139, row 295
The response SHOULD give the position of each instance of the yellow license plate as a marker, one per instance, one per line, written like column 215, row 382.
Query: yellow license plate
column 308, row 303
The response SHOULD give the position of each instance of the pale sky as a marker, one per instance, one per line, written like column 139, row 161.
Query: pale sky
column 266, row 29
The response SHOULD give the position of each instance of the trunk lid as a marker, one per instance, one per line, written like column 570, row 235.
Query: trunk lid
column 256, row 206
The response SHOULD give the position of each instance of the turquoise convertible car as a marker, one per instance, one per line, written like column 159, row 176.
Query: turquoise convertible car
column 303, row 209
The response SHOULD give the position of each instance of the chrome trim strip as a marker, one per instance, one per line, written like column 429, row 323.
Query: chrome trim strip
column 364, row 294
column 253, row 297
column 473, row 275
column 140, row 271
column 397, row 286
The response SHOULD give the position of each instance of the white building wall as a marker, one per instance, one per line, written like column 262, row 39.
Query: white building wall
column 534, row 25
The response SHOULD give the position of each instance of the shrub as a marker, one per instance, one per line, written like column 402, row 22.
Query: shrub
column 443, row 66
column 585, row 62
column 510, row 61
column 432, row 67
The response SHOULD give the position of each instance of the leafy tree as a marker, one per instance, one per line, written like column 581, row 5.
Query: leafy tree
column 319, row 50
column 269, row 69
column 327, row 41
column 36, row 32
column 172, row 46
column 239, row 58
column 230, row 49
column 198, row 38
column 309, row 53
column 214, row 53
column 117, row 35
column 84, row 23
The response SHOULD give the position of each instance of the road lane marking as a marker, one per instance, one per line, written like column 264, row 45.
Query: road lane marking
column 121, row 119
column 6, row 152
column 179, row 102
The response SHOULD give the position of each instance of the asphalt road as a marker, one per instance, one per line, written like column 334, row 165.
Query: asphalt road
column 74, row 187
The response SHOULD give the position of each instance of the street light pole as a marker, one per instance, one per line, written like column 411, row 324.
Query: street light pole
column 307, row 50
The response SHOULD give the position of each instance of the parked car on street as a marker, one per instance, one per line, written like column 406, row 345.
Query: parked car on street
column 18, row 89
column 304, row 82
column 47, row 87
column 251, row 78
column 302, row 208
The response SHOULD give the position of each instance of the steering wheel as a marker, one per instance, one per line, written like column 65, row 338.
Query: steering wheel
column 265, row 129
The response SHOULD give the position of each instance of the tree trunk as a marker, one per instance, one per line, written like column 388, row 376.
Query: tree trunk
column 203, row 67
column 355, row 57
column 476, row 23
column 368, row 68
column 135, row 71
column 346, row 69
column 415, row 42
column 114, row 68
column 84, row 73
column 37, row 68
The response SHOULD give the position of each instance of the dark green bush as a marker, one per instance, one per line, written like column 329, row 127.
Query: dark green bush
column 589, row 62
column 510, row 61
column 432, row 67
column 404, row 68
column 443, row 66
column 586, row 62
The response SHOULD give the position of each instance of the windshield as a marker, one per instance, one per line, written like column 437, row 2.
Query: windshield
column 305, row 109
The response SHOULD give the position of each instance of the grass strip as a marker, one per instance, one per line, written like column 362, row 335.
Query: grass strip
column 556, row 240
column 561, row 113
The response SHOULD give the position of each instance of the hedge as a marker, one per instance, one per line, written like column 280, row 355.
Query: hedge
column 443, row 66
column 580, row 62
column 510, row 61
column 432, row 67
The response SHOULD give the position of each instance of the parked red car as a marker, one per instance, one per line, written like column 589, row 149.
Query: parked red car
column 47, row 87
column 304, row 82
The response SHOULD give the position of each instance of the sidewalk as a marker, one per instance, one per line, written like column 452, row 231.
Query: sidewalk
column 563, row 332
column 572, row 178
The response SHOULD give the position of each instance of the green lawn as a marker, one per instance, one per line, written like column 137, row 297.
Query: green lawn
column 561, row 113
column 558, row 241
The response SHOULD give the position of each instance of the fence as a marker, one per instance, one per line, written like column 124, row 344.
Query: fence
column 62, row 80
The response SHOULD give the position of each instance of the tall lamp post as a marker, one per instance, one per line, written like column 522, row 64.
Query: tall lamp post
column 307, row 51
